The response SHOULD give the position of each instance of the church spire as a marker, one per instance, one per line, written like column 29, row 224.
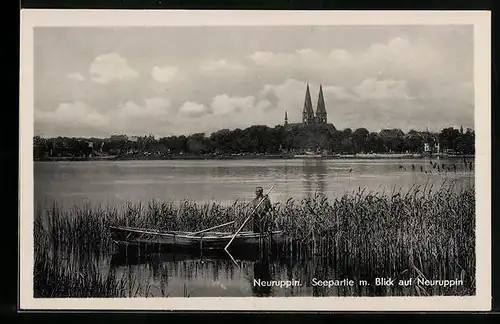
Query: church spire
column 308, row 113
column 286, row 118
column 321, row 110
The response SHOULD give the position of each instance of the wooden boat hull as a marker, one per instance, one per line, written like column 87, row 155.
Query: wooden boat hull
column 129, row 236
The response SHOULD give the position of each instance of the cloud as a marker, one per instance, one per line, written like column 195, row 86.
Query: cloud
column 291, row 93
column 76, row 77
column 398, row 58
column 460, row 91
column 272, row 59
column 72, row 115
column 153, row 109
column 339, row 55
column 164, row 74
column 285, row 89
column 339, row 93
column 372, row 89
column 263, row 105
column 223, row 104
column 80, row 118
column 222, row 66
column 305, row 57
column 111, row 67
column 287, row 96
column 192, row 109
column 229, row 112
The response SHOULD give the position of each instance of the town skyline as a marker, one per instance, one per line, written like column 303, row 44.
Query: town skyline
column 132, row 81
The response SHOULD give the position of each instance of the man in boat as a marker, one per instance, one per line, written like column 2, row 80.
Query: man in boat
column 261, row 219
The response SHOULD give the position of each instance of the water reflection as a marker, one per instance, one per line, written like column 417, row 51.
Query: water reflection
column 178, row 275
column 262, row 272
column 215, row 274
column 211, row 274
column 315, row 173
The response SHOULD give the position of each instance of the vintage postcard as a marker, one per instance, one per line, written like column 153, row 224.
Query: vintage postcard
column 255, row 160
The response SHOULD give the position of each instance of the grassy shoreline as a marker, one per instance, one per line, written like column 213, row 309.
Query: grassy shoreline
column 424, row 232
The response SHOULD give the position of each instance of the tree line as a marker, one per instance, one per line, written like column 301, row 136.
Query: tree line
column 269, row 140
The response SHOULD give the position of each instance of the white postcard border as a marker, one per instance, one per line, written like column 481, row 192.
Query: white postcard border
column 134, row 18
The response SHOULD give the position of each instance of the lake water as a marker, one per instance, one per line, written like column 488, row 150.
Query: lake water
column 117, row 182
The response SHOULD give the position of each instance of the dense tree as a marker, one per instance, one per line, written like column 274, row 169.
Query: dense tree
column 374, row 143
column 198, row 144
column 359, row 138
column 221, row 141
column 266, row 140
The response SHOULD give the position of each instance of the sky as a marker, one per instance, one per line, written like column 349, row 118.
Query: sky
column 91, row 81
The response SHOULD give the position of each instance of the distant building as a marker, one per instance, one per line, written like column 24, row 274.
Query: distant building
column 427, row 147
column 391, row 133
column 413, row 134
column 308, row 115
column 393, row 139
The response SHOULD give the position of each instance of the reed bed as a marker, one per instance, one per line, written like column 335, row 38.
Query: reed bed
column 55, row 276
column 422, row 232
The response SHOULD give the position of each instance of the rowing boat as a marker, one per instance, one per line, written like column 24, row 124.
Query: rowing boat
column 127, row 236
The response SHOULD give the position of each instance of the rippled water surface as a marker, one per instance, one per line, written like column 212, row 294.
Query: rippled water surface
column 227, row 180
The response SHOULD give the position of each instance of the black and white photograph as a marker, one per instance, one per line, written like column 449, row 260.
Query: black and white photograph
column 291, row 160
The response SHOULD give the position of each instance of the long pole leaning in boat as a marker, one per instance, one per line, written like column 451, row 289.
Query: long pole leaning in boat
column 246, row 220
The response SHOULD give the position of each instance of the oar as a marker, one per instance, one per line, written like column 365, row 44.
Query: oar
column 246, row 220
column 211, row 228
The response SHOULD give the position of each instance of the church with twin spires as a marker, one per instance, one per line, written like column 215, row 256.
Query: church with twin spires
column 308, row 115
